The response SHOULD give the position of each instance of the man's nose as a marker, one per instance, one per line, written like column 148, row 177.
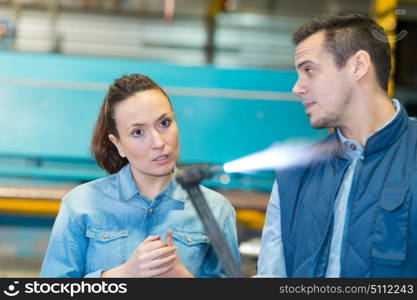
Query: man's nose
column 298, row 88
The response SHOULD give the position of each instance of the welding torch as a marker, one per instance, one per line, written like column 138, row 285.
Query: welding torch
column 190, row 177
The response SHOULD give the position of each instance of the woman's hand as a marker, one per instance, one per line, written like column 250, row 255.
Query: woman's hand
column 150, row 259
column 178, row 270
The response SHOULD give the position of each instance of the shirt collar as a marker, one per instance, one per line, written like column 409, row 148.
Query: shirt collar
column 128, row 188
column 354, row 150
column 127, row 185
column 174, row 191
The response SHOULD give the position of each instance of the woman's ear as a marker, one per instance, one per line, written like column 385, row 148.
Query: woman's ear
column 116, row 143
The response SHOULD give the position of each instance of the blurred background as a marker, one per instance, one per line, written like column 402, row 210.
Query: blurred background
column 226, row 64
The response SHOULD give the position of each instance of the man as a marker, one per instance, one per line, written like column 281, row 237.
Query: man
column 353, row 213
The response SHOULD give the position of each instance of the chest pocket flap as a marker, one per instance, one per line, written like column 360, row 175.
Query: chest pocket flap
column 191, row 238
column 391, row 228
column 393, row 197
column 105, row 235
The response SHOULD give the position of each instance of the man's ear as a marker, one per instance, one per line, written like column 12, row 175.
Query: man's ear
column 116, row 143
column 361, row 64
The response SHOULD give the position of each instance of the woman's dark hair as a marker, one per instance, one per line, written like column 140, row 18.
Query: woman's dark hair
column 348, row 33
column 102, row 149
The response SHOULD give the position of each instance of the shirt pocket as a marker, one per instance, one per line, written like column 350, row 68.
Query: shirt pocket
column 192, row 248
column 106, row 249
column 391, row 227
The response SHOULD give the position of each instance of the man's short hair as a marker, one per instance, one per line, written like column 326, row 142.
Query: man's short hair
column 348, row 33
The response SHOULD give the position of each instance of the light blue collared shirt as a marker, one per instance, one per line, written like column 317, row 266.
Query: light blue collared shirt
column 102, row 222
column 271, row 261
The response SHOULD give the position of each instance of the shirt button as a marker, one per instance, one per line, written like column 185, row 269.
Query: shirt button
column 189, row 239
column 353, row 147
column 150, row 210
column 105, row 236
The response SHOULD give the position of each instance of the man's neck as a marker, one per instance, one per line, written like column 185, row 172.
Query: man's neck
column 370, row 114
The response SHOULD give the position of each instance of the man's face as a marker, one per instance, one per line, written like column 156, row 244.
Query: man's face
column 324, row 90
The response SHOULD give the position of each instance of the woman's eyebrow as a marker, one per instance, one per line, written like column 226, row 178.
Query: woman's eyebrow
column 165, row 115
column 160, row 118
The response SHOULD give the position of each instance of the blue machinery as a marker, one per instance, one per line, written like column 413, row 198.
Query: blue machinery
column 49, row 104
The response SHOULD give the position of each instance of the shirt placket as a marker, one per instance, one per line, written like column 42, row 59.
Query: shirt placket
column 151, row 217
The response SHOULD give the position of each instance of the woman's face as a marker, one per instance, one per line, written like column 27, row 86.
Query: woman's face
column 148, row 133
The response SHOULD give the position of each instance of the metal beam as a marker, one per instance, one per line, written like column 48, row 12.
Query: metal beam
column 30, row 206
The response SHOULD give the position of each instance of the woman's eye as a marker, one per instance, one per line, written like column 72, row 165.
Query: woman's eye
column 137, row 132
column 165, row 123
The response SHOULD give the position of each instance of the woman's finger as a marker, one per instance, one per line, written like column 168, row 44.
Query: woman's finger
column 161, row 252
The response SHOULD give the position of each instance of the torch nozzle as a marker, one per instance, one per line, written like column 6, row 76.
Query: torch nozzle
column 196, row 173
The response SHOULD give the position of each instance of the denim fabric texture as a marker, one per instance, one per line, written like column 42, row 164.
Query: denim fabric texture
column 100, row 223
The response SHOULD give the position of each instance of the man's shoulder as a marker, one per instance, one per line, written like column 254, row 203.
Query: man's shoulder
column 412, row 120
column 412, row 127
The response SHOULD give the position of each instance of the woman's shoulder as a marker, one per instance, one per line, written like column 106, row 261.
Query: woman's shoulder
column 215, row 198
column 98, row 188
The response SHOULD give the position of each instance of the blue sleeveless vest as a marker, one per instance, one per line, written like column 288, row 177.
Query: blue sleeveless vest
column 381, row 227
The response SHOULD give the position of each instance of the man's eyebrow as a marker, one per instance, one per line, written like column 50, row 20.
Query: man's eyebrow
column 299, row 66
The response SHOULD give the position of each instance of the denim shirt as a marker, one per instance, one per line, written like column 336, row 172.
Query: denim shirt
column 100, row 223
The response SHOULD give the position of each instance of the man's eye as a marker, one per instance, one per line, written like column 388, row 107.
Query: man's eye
column 137, row 132
column 165, row 123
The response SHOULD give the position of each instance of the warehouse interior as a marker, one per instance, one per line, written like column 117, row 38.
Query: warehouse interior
column 227, row 64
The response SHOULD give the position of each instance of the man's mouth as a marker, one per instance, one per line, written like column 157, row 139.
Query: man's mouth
column 308, row 105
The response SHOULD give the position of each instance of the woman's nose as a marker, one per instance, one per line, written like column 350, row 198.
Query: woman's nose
column 157, row 140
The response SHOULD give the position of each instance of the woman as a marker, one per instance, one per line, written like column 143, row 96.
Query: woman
column 136, row 222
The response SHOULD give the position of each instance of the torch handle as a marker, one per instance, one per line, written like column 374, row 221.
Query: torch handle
column 217, row 240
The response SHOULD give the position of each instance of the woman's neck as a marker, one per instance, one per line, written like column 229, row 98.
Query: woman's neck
column 149, row 185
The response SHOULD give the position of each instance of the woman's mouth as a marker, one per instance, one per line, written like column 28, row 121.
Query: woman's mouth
column 161, row 159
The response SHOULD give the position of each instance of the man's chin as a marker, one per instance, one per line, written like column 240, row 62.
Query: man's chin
column 318, row 126
column 314, row 123
column 321, row 123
